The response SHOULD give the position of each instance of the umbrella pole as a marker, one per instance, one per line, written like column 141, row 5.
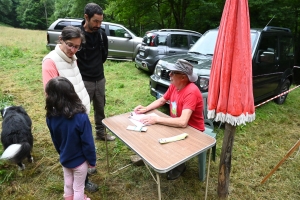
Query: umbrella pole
column 225, row 161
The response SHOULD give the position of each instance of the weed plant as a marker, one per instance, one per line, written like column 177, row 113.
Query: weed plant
column 258, row 146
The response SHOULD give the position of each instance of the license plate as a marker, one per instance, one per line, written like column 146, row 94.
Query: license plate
column 142, row 53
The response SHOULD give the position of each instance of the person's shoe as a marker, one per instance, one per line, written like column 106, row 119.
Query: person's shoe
column 176, row 172
column 91, row 187
column 108, row 137
column 92, row 171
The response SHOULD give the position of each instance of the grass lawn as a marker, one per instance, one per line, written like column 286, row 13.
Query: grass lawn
column 258, row 146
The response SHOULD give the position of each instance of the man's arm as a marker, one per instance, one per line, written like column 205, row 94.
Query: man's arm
column 105, row 45
column 155, row 104
column 181, row 121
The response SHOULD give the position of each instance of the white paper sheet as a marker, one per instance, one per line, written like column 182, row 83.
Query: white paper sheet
column 135, row 118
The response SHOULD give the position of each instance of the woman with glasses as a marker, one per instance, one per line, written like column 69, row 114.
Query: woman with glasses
column 62, row 61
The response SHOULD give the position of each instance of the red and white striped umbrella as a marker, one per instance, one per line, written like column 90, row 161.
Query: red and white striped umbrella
column 230, row 97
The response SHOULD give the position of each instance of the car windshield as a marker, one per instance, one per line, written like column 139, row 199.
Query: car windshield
column 206, row 44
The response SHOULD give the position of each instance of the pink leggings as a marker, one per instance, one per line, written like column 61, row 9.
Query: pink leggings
column 74, row 181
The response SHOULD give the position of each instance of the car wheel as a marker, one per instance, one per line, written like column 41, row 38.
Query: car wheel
column 284, row 87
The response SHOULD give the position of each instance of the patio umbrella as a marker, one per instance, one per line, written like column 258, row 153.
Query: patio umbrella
column 230, row 96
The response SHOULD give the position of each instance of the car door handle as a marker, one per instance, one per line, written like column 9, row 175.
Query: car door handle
column 172, row 51
column 111, row 41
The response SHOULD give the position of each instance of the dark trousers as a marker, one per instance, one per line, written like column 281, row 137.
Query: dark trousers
column 96, row 91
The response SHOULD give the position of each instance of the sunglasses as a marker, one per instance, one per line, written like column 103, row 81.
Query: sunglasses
column 176, row 72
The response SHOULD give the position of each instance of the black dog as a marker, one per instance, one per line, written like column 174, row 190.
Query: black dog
column 16, row 129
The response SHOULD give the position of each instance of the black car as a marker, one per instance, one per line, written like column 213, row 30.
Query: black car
column 272, row 64
column 159, row 43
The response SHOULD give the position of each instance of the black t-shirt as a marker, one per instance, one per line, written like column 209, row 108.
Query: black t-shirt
column 90, row 58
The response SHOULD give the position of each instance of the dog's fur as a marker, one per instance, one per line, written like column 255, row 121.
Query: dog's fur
column 16, row 129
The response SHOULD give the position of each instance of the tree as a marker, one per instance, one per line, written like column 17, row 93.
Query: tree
column 30, row 14
column 7, row 14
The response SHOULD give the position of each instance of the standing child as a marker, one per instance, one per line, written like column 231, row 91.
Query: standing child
column 71, row 133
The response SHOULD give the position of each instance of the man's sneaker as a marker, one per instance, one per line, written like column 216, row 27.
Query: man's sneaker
column 92, row 171
column 108, row 137
column 91, row 187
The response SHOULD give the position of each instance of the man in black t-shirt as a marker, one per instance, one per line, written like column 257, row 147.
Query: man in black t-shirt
column 90, row 61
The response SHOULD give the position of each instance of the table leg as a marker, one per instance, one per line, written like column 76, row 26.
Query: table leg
column 106, row 151
column 206, row 187
column 158, row 186
column 202, row 165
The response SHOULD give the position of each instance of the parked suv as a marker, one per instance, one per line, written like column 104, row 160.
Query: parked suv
column 272, row 64
column 122, row 43
column 159, row 43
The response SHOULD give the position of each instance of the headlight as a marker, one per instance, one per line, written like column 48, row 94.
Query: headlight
column 157, row 70
column 203, row 84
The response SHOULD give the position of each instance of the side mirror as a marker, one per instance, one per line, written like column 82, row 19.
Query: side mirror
column 126, row 35
column 258, row 56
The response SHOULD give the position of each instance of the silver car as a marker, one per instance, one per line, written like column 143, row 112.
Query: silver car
column 123, row 44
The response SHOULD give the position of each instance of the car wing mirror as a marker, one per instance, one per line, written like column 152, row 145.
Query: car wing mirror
column 126, row 35
column 265, row 56
column 258, row 56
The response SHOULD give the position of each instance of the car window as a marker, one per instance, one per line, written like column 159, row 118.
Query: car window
column 286, row 47
column 206, row 44
column 194, row 39
column 148, row 39
column 267, row 49
column 179, row 41
column 103, row 27
column 116, row 31
column 76, row 24
column 62, row 24
column 162, row 39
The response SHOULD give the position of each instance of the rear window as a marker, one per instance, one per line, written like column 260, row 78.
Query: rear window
column 152, row 39
column 60, row 25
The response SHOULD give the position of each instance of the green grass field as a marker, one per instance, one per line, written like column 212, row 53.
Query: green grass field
column 258, row 146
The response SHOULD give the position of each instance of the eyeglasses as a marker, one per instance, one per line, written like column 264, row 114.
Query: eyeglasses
column 71, row 46
column 176, row 72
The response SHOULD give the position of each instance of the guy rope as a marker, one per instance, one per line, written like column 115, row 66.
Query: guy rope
column 277, row 96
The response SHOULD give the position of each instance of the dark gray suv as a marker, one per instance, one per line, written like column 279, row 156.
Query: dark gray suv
column 272, row 64
column 164, row 42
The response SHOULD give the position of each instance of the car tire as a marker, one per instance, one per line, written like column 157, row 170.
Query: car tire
column 283, row 88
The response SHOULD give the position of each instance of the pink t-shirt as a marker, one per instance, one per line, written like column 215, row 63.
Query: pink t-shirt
column 189, row 97
column 49, row 71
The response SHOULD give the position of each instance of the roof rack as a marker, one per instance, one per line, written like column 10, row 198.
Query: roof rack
column 182, row 30
column 273, row 28
column 72, row 18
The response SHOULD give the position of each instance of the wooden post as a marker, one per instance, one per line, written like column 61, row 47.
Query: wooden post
column 225, row 161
